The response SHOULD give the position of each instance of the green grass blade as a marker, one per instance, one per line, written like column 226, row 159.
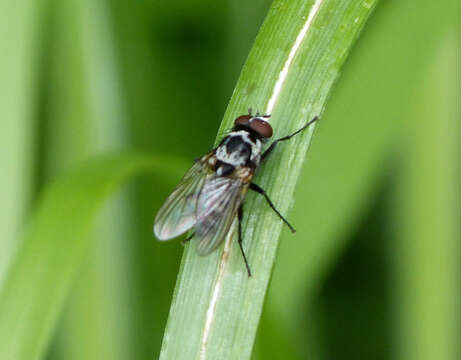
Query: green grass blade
column 19, row 34
column 290, row 72
column 86, row 116
column 350, row 160
column 52, row 250
column 427, row 246
column 174, row 55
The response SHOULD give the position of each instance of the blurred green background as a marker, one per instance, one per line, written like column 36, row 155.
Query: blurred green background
column 373, row 270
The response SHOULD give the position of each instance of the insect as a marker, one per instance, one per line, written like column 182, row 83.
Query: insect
column 210, row 196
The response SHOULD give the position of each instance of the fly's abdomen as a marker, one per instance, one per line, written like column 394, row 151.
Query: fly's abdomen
column 223, row 169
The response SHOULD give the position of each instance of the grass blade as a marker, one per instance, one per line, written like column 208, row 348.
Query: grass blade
column 427, row 242
column 327, row 210
column 290, row 71
column 53, row 247
column 19, row 34
column 86, row 116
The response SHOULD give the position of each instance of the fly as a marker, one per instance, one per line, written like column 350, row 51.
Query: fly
column 211, row 194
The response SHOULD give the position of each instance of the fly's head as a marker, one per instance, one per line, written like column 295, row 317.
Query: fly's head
column 257, row 125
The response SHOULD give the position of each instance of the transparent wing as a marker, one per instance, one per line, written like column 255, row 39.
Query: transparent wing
column 217, row 208
column 178, row 213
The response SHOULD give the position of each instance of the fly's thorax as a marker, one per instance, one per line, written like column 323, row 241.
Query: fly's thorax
column 239, row 149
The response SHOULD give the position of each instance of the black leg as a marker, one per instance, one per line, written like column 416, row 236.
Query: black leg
column 272, row 147
column 187, row 239
column 261, row 191
column 240, row 217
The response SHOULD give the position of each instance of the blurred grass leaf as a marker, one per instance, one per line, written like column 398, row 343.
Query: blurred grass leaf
column 20, row 26
column 216, row 308
column 426, row 248
column 53, row 247
column 351, row 156
column 84, row 116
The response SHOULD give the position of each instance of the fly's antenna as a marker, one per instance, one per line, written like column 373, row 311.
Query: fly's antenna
column 258, row 114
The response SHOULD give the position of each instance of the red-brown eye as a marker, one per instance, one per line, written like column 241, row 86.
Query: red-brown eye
column 262, row 127
column 242, row 120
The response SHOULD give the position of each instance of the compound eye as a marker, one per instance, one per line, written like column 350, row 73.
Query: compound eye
column 242, row 120
column 262, row 127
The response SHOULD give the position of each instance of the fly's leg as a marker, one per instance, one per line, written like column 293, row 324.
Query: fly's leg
column 240, row 217
column 187, row 239
column 272, row 146
column 261, row 191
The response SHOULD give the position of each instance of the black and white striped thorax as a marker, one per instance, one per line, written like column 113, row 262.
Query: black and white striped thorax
column 239, row 148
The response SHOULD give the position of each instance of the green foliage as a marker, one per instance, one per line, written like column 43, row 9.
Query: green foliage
column 372, row 269
column 54, row 247
column 427, row 243
column 216, row 307
column 360, row 140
